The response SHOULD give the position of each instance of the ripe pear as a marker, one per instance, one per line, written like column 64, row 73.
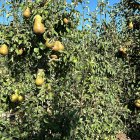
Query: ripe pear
column 137, row 103
column 14, row 98
column 48, row 43
column 27, row 12
column 4, row 49
column 39, row 81
column 38, row 27
column 20, row 51
column 123, row 50
column 58, row 46
column 66, row 21
column 53, row 56
column 20, row 98
column 130, row 25
column 38, row 17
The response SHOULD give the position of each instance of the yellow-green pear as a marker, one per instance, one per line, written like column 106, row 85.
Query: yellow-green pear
column 58, row 46
column 38, row 27
column 38, row 18
column 130, row 25
column 27, row 12
column 4, row 49
column 48, row 43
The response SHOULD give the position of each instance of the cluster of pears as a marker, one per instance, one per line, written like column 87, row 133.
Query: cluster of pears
column 54, row 45
column 38, row 26
column 16, row 97
column 4, row 49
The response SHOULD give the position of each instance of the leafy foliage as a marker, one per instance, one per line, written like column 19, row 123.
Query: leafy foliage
column 88, row 92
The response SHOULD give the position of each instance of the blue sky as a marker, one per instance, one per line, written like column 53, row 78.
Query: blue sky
column 92, row 5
